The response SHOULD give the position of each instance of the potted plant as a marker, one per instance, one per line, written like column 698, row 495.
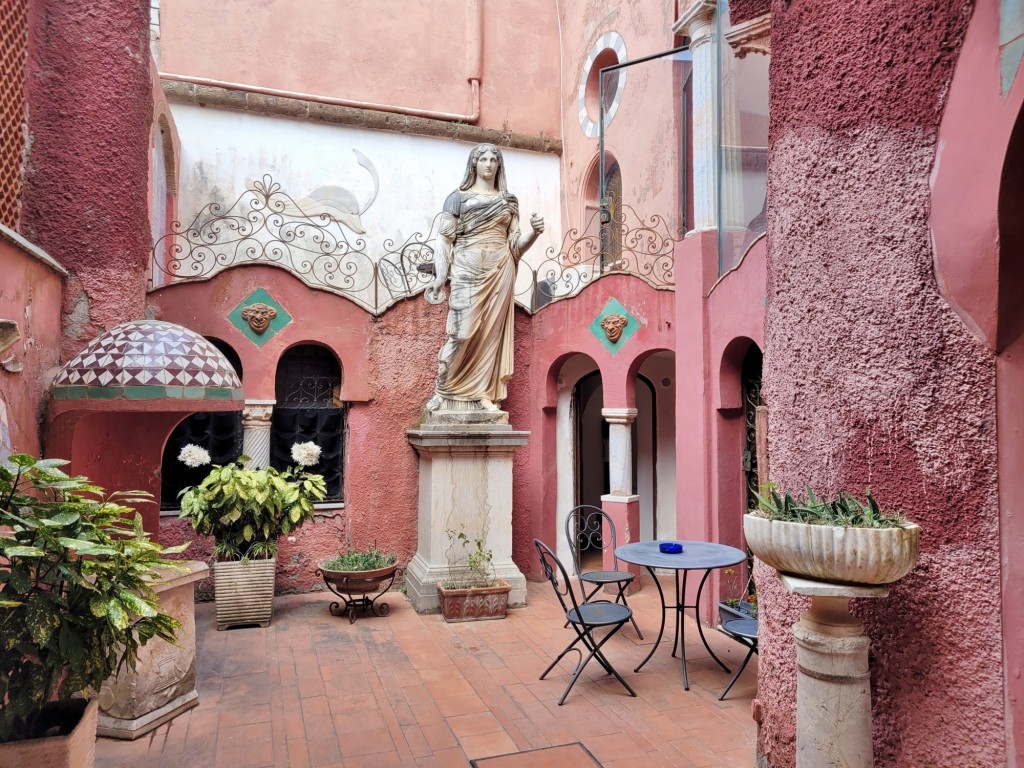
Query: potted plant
column 77, row 602
column 742, row 607
column 471, row 592
column 368, row 573
column 247, row 510
column 842, row 539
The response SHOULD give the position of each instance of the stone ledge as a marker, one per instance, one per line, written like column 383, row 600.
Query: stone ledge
column 304, row 109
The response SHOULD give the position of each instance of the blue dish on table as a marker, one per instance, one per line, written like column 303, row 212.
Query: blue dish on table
column 671, row 547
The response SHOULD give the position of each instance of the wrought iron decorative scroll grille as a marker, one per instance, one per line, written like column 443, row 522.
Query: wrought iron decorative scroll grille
column 265, row 226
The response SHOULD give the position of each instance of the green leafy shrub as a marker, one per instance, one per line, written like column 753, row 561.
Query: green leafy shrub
column 248, row 510
column 845, row 510
column 76, row 595
column 469, row 562
column 370, row 559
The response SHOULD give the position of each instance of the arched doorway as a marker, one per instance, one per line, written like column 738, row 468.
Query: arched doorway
column 308, row 408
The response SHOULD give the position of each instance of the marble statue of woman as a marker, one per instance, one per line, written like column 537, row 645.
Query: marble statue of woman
column 479, row 250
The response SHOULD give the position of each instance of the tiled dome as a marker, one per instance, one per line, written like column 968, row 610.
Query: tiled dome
column 148, row 360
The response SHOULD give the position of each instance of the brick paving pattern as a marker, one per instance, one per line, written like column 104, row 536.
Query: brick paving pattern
column 411, row 690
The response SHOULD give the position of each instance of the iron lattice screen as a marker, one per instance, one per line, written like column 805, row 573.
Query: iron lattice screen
column 13, row 46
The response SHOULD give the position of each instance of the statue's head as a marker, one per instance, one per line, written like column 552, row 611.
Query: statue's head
column 474, row 156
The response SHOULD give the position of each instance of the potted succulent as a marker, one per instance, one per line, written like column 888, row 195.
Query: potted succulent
column 368, row 573
column 76, row 603
column 842, row 539
column 471, row 592
column 247, row 510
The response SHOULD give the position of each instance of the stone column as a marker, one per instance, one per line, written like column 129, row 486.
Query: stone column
column 698, row 23
column 465, row 479
column 256, row 432
column 620, row 502
column 833, row 686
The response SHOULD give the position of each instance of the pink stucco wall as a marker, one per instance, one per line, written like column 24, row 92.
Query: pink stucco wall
column 872, row 379
column 406, row 53
column 86, row 171
column 642, row 136
column 388, row 368
column 30, row 294
column 977, row 196
column 553, row 334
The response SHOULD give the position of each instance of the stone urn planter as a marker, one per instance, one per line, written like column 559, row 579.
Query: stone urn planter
column 474, row 603
column 848, row 553
column 359, row 591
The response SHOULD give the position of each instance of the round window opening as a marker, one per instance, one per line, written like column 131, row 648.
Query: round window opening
column 605, row 58
column 607, row 51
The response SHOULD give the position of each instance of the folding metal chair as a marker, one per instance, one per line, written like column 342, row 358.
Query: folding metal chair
column 585, row 528
column 584, row 619
column 743, row 631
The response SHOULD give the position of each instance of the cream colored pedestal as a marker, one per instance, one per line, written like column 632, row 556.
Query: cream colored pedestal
column 465, row 479
column 833, row 687
column 164, row 682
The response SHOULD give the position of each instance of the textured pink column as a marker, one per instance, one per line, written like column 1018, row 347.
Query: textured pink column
column 84, row 201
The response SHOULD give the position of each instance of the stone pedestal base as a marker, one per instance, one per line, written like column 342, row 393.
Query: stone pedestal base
column 833, row 687
column 465, row 480
column 164, row 682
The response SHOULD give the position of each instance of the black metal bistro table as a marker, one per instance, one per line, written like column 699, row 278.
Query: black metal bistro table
column 696, row 556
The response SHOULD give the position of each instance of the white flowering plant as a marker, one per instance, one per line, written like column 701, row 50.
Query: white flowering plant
column 247, row 510
column 306, row 454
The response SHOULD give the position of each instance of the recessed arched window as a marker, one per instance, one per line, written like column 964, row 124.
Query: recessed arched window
column 608, row 226
column 219, row 432
column 308, row 409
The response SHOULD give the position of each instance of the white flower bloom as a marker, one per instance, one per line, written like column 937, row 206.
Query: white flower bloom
column 305, row 454
column 193, row 456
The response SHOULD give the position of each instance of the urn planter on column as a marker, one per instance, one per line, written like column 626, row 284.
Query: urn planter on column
column 845, row 545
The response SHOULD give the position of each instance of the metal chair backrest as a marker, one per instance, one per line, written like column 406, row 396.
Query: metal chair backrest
column 589, row 527
column 554, row 572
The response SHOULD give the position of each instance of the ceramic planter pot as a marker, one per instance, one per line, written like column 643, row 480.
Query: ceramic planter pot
column 244, row 591
column 76, row 749
column 728, row 613
column 833, row 553
column 476, row 603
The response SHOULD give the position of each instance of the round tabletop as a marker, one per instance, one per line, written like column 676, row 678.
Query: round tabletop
column 696, row 555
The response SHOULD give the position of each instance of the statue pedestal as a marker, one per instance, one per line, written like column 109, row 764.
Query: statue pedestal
column 164, row 682
column 833, row 686
column 465, row 479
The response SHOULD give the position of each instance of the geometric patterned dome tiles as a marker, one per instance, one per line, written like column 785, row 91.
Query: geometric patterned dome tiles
column 147, row 360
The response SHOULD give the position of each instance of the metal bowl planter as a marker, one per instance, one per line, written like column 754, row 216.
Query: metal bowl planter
column 359, row 591
column 834, row 553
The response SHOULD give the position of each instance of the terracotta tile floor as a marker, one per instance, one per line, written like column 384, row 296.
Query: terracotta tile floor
column 410, row 690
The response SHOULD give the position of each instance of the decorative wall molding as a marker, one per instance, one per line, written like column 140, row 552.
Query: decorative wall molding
column 696, row 22
column 752, row 36
column 303, row 109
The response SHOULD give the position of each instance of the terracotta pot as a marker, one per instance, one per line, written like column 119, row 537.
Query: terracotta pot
column 76, row 749
column 475, row 603
column 834, row 553
column 244, row 591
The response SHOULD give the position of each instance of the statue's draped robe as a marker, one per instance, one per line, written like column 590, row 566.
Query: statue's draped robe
column 477, row 357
